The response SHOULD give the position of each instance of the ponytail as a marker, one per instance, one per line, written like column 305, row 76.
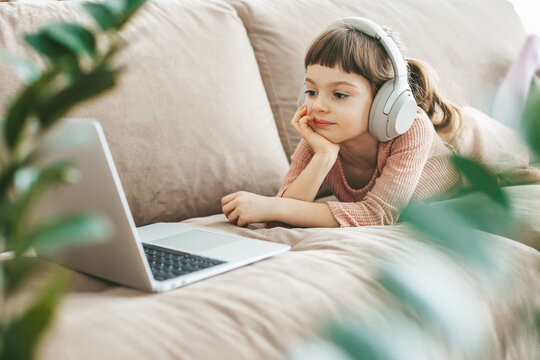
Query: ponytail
column 423, row 81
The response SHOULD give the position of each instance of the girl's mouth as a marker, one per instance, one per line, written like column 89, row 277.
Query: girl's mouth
column 322, row 123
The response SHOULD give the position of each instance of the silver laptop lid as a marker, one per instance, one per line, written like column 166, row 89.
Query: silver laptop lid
column 119, row 258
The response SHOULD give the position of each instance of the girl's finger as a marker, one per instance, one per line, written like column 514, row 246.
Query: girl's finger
column 296, row 126
column 228, row 208
column 228, row 198
column 303, row 129
column 241, row 223
column 233, row 217
column 306, row 119
column 304, row 123
column 301, row 111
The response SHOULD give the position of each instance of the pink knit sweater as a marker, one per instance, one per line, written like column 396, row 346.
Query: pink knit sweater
column 414, row 165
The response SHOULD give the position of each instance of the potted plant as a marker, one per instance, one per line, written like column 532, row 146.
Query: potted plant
column 79, row 66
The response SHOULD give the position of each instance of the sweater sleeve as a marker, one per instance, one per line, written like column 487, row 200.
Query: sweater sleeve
column 299, row 160
column 395, row 186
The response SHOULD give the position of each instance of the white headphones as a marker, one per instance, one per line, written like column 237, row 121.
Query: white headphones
column 393, row 109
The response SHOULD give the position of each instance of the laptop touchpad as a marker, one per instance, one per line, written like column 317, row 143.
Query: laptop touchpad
column 195, row 240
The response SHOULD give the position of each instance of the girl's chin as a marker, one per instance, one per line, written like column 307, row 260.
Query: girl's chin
column 326, row 135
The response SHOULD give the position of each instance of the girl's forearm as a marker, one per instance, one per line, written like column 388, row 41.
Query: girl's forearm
column 305, row 214
column 306, row 186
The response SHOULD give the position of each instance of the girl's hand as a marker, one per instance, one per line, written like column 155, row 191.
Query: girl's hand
column 243, row 208
column 317, row 142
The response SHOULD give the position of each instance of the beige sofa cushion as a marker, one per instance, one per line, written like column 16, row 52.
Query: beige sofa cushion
column 470, row 43
column 189, row 120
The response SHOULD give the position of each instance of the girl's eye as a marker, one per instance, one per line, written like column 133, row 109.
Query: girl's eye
column 310, row 93
column 340, row 95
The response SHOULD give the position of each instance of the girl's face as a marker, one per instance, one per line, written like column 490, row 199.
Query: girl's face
column 339, row 101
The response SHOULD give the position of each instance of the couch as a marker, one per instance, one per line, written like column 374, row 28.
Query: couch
column 204, row 110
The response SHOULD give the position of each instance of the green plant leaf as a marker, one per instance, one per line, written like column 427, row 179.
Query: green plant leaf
column 17, row 270
column 74, row 37
column 113, row 14
column 22, row 334
column 6, row 178
column 484, row 214
column 107, row 57
column 389, row 335
column 2, row 331
column 481, row 178
column 83, row 88
column 59, row 172
column 57, row 53
column 25, row 178
column 55, row 235
column 8, row 174
column 8, row 211
column 24, row 105
column 25, row 70
column 359, row 342
column 101, row 14
column 123, row 10
column 116, row 7
column 448, row 229
column 531, row 118
column 417, row 304
column 432, row 290
column 134, row 5
column 131, row 7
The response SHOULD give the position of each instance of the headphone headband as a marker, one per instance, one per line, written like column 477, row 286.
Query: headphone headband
column 369, row 28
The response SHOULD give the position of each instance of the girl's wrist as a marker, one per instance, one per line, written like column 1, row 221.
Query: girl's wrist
column 328, row 148
column 274, row 204
column 279, row 209
column 327, row 157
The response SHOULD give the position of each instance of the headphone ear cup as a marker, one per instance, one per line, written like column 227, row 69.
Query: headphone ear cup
column 402, row 114
column 377, row 123
column 301, row 96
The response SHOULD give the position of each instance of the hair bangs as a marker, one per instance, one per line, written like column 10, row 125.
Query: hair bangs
column 336, row 47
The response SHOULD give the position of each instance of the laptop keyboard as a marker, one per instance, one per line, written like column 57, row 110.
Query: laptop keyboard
column 167, row 263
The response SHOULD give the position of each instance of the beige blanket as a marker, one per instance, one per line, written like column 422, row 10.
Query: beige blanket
column 268, row 309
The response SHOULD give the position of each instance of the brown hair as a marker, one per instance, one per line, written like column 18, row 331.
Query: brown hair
column 356, row 52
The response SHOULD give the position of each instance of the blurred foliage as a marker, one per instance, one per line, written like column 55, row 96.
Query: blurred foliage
column 77, row 69
column 531, row 116
column 426, row 292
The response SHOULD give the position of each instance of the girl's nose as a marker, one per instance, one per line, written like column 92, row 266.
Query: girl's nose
column 318, row 105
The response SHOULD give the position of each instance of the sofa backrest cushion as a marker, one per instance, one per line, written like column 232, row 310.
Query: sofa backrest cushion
column 189, row 120
column 470, row 43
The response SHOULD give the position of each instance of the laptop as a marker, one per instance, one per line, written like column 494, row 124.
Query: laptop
column 156, row 257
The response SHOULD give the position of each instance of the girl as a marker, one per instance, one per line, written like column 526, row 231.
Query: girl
column 372, row 179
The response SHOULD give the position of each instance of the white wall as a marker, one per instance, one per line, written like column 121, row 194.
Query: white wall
column 529, row 10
